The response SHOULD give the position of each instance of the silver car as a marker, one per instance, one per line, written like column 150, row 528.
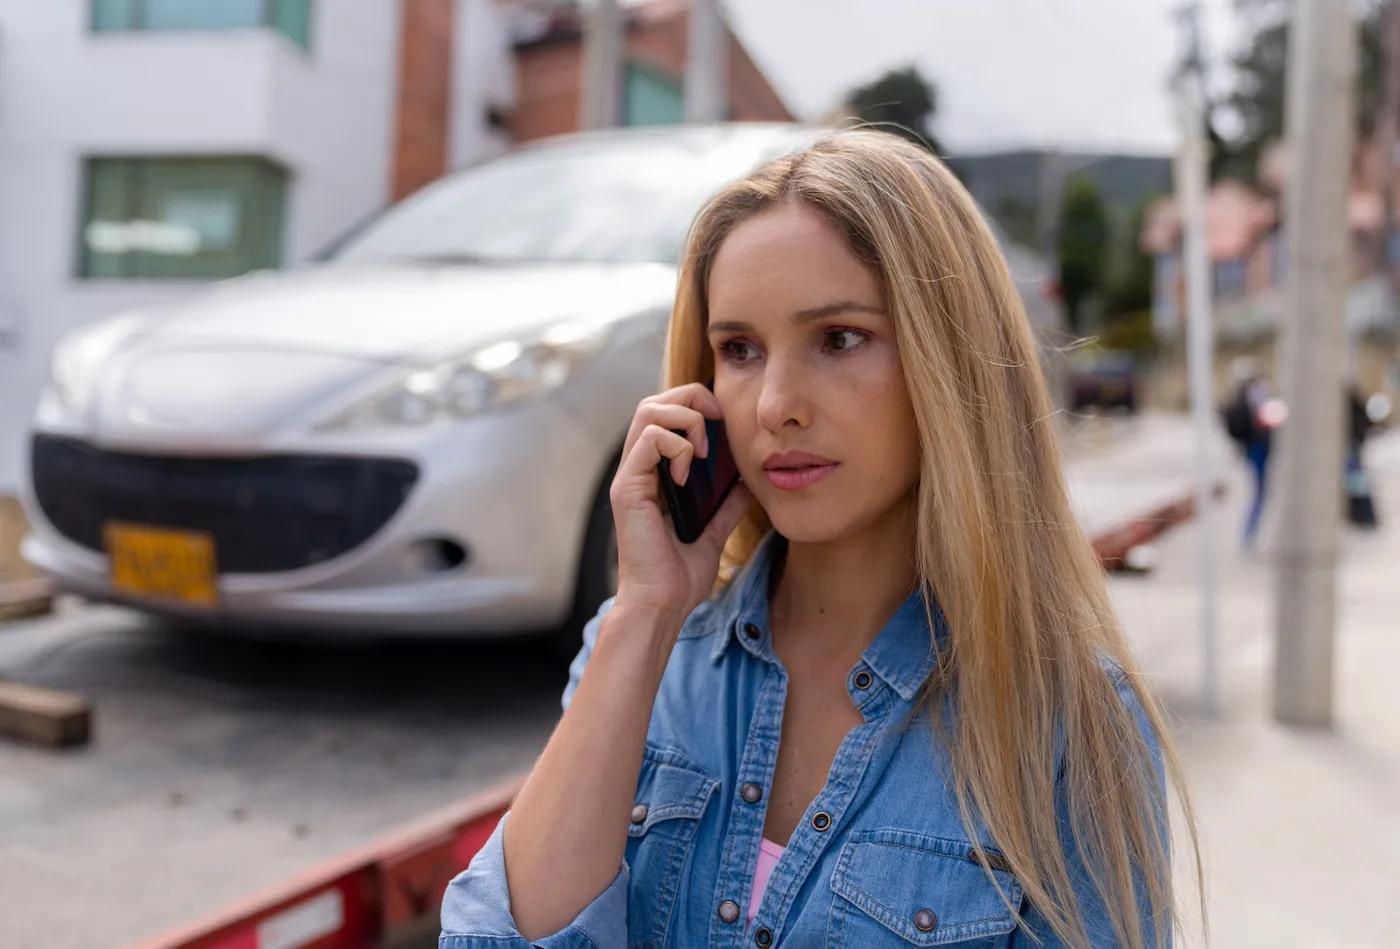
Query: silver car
column 413, row 435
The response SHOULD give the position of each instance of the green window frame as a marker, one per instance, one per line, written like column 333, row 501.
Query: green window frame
column 195, row 218
column 650, row 97
column 291, row 18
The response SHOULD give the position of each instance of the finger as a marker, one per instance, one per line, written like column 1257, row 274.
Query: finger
column 693, row 395
column 674, row 418
column 657, row 445
column 730, row 513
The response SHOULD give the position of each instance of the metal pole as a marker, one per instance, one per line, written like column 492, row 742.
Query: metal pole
column 706, row 64
column 1387, row 131
column 600, row 91
column 1191, row 181
column 1322, row 68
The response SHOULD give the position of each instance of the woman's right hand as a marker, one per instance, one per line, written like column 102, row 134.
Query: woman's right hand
column 657, row 574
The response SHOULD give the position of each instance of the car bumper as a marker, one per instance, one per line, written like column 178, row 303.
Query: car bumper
column 514, row 491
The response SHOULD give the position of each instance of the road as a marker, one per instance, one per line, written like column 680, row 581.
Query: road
column 219, row 767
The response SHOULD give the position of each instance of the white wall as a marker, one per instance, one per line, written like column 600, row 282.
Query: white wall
column 484, row 67
column 326, row 113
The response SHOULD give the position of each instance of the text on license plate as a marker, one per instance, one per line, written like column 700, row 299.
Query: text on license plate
column 160, row 563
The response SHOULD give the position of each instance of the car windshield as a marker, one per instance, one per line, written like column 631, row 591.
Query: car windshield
column 627, row 199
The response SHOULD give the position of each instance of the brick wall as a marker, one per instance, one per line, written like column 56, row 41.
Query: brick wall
column 422, row 122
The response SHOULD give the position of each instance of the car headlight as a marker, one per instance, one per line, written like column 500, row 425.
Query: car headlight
column 500, row 374
column 78, row 358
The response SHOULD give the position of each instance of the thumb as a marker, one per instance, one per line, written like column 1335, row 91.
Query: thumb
column 730, row 513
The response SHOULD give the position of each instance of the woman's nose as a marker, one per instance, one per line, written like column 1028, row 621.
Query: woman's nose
column 782, row 401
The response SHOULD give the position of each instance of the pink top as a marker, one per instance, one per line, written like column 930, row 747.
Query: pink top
column 768, row 854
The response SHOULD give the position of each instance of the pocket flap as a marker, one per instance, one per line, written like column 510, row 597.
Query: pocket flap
column 932, row 891
column 669, row 787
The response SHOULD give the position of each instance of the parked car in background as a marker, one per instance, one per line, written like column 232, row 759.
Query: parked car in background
column 415, row 434
column 1107, row 381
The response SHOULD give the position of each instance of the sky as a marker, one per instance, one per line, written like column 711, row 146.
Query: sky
column 1077, row 74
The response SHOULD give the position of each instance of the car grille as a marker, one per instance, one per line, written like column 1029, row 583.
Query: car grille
column 266, row 513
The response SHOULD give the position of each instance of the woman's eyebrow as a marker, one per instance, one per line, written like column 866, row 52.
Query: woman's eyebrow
column 810, row 314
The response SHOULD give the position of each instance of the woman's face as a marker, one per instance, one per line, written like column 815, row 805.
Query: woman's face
column 808, row 377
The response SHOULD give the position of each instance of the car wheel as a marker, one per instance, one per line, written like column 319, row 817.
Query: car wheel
column 597, row 572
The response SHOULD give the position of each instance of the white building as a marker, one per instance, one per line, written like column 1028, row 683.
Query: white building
column 149, row 146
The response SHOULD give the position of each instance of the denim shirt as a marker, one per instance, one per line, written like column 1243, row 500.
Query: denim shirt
column 880, row 859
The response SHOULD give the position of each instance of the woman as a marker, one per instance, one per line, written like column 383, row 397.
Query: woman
column 907, row 715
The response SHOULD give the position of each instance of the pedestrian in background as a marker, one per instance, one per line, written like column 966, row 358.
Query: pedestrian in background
column 1251, row 427
column 909, row 715
column 1360, row 502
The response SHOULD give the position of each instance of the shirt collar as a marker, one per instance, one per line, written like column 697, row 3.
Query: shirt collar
column 903, row 655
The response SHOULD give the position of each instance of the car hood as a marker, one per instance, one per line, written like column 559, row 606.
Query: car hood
column 251, row 356
column 393, row 314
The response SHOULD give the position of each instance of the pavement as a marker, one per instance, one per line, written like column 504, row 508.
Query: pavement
column 223, row 767
column 1300, row 828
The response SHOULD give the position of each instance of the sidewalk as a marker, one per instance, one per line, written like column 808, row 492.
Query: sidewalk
column 1300, row 830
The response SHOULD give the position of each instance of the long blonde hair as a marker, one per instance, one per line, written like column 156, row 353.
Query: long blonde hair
column 997, row 541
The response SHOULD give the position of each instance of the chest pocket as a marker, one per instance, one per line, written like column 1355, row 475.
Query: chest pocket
column 672, row 794
column 895, row 888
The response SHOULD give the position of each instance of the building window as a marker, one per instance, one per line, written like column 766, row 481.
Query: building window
column 292, row 18
column 181, row 218
column 651, row 98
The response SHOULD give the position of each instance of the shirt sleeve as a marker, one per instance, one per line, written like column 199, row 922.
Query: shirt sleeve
column 476, row 907
column 476, row 910
column 1035, row 932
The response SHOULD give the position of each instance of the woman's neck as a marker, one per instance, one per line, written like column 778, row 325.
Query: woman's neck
column 833, row 598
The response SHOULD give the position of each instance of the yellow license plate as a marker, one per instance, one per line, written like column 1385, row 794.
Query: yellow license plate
column 162, row 564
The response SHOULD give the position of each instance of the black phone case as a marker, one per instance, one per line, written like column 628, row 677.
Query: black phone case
column 682, row 501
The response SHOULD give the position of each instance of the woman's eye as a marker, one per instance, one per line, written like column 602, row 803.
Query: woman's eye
column 737, row 350
column 843, row 341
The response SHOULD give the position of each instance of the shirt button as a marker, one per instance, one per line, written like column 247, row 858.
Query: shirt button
column 639, row 814
column 764, row 937
column 751, row 793
column 729, row 912
column 752, row 631
column 925, row 921
column 863, row 680
column 821, row 820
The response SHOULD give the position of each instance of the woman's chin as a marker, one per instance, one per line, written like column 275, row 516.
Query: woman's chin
column 810, row 526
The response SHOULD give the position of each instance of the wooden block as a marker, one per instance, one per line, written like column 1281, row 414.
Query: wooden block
column 44, row 716
column 13, row 527
column 25, row 598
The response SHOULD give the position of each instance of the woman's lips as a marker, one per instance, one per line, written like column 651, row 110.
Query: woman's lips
column 793, row 471
column 795, row 479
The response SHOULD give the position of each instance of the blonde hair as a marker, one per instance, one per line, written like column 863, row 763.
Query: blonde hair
column 997, row 540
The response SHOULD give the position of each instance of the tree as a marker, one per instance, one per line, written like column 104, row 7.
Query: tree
column 1258, row 100
column 1132, row 288
column 903, row 101
column 1083, row 244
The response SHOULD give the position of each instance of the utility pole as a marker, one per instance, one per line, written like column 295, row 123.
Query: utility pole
column 1321, row 71
column 706, row 63
column 1387, row 135
column 600, row 92
column 1192, row 180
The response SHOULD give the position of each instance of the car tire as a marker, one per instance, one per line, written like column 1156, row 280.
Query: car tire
column 597, row 569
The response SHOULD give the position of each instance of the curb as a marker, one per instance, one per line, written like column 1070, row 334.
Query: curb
column 1113, row 546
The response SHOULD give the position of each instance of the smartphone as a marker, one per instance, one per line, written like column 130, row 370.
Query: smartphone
column 694, row 503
